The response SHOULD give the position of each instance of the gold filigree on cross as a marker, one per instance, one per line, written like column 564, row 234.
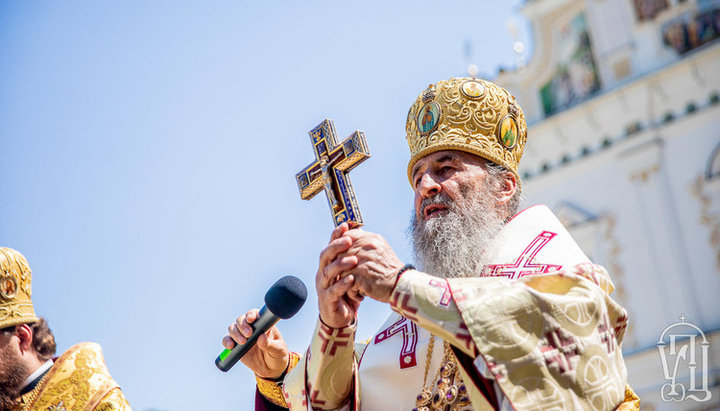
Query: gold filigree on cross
column 329, row 171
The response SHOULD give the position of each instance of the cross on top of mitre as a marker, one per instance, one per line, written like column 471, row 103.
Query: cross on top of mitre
column 329, row 171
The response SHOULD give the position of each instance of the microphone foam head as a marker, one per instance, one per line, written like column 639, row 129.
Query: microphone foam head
column 286, row 297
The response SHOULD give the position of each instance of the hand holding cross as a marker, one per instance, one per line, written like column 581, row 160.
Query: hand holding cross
column 329, row 172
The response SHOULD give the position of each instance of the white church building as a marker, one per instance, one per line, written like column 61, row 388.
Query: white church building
column 622, row 99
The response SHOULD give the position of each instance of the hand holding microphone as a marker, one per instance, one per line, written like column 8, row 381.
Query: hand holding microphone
column 265, row 353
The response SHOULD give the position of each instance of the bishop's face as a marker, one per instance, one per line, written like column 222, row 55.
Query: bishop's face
column 456, row 213
column 448, row 175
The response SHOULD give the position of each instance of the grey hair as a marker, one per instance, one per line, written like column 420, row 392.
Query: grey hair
column 497, row 174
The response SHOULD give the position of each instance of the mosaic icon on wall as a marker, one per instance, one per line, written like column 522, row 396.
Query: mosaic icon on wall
column 575, row 76
column 428, row 118
column 508, row 132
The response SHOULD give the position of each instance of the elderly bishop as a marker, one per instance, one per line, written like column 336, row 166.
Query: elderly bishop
column 504, row 311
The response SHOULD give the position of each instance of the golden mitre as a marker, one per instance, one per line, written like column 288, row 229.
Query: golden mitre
column 467, row 114
column 15, row 280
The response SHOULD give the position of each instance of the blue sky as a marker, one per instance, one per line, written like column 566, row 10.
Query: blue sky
column 148, row 153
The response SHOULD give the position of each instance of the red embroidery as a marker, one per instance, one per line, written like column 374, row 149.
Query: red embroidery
column 314, row 398
column 332, row 331
column 560, row 350
column 325, row 342
column 621, row 325
column 409, row 331
column 494, row 369
column 459, row 296
column 445, row 299
column 394, row 298
column 408, row 311
column 466, row 337
column 326, row 333
column 524, row 264
column 287, row 398
column 606, row 337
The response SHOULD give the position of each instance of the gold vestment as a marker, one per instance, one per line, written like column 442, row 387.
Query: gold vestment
column 78, row 380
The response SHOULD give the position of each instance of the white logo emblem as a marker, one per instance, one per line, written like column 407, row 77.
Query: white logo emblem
column 678, row 343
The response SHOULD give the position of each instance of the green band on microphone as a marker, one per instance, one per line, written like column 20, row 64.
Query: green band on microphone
column 224, row 354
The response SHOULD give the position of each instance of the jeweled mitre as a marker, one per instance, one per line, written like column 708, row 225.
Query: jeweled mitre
column 467, row 114
column 15, row 282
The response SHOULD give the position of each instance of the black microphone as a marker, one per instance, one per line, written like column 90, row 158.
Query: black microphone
column 283, row 300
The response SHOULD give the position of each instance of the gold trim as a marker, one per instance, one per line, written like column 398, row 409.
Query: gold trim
column 451, row 146
column 428, row 94
column 271, row 389
column 28, row 399
column 631, row 402
column 16, row 313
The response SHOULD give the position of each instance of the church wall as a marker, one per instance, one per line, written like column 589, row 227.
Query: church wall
column 625, row 169
column 689, row 146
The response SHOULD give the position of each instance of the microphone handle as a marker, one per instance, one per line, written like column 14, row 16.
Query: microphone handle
column 227, row 358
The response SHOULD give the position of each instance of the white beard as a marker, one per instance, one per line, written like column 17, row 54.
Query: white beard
column 451, row 245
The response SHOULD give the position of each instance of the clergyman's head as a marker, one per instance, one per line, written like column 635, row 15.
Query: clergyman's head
column 461, row 203
column 25, row 340
column 23, row 348
column 463, row 169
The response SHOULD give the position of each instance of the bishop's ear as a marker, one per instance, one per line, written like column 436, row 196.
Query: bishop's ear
column 25, row 335
column 507, row 188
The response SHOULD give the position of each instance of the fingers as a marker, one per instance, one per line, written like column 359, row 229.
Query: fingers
column 340, row 288
column 235, row 334
column 339, row 231
column 355, row 297
column 340, row 267
column 252, row 315
column 336, row 245
column 353, row 302
column 273, row 347
column 355, row 233
column 329, row 257
column 240, row 330
column 228, row 342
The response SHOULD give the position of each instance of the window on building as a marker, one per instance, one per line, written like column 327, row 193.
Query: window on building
column 648, row 9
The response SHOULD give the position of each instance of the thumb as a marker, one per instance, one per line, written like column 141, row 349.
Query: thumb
column 270, row 347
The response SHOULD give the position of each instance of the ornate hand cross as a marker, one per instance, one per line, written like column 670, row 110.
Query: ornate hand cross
column 330, row 170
